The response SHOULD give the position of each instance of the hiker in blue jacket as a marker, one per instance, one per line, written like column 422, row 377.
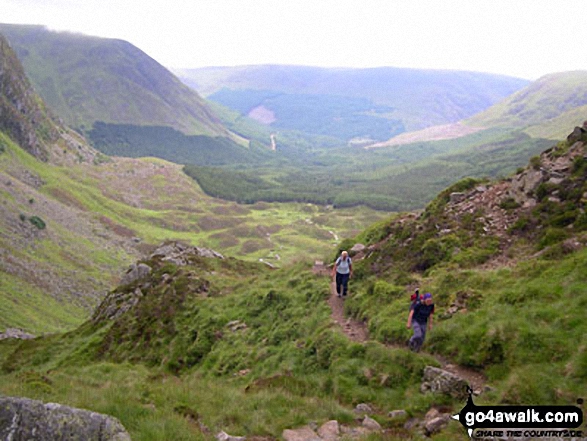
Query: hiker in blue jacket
column 420, row 320
column 342, row 272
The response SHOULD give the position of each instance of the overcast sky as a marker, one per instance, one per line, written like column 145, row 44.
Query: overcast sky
column 521, row 38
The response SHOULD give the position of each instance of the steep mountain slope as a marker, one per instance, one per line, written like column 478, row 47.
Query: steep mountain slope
column 544, row 107
column 25, row 118
column 398, row 99
column 72, row 218
column 505, row 261
column 22, row 116
column 45, row 238
column 86, row 79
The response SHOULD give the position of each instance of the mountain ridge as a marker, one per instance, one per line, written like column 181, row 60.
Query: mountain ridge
column 417, row 98
column 107, row 80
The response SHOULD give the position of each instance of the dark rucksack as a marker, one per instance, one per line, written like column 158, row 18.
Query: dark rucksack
column 415, row 299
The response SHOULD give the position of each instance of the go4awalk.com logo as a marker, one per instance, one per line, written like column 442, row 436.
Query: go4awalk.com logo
column 521, row 421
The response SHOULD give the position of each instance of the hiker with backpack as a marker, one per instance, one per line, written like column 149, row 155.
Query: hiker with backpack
column 420, row 320
column 341, row 273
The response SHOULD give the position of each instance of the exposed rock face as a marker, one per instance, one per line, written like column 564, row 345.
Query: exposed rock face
column 443, row 382
column 20, row 114
column 457, row 197
column 24, row 419
column 16, row 333
column 116, row 304
column 136, row 272
column 525, row 183
column 179, row 253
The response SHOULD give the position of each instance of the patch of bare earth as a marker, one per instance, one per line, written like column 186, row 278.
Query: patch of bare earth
column 358, row 332
column 353, row 329
column 435, row 133
column 263, row 115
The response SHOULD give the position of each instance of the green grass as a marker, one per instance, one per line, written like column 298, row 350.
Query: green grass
column 122, row 86
column 521, row 320
column 23, row 305
column 289, row 365
column 88, row 209
column 544, row 105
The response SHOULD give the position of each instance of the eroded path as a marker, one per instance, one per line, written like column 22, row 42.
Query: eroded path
column 358, row 332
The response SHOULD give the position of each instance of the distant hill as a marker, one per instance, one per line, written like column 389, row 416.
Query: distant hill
column 372, row 103
column 72, row 219
column 87, row 79
column 505, row 263
column 543, row 107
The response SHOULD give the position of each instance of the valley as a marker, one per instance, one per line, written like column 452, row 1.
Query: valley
column 166, row 259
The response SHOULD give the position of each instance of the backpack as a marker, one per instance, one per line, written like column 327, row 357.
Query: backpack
column 415, row 299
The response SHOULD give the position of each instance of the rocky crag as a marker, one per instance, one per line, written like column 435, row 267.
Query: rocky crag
column 26, row 119
column 476, row 222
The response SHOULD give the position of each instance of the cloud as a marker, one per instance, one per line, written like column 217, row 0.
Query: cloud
column 522, row 38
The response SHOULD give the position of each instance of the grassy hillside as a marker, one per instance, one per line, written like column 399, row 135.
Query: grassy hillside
column 400, row 99
column 509, row 305
column 88, row 79
column 547, row 105
column 72, row 218
column 505, row 263
column 222, row 329
column 97, row 217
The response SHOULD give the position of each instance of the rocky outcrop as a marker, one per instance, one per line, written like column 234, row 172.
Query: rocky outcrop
column 439, row 381
column 21, row 116
column 136, row 272
column 16, row 333
column 523, row 185
column 139, row 278
column 180, row 254
column 25, row 419
column 116, row 304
